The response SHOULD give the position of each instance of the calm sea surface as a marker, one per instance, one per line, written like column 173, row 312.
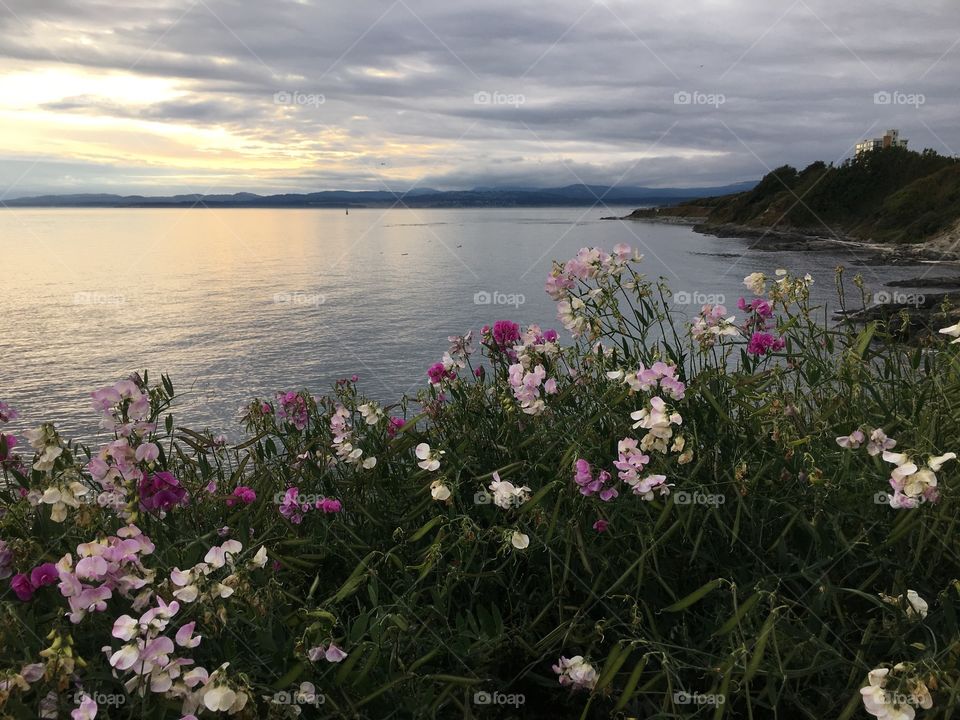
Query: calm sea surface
column 238, row 303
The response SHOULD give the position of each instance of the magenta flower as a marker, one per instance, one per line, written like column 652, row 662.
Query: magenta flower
column 601, row 526
column 161, row 491
column 550, row 335
column 505, row 333
column 243, row 494
column 45, row 574
column 437, row 373
column 329, row 505
column 394, row 425
column 21, row 585
column 762, row 343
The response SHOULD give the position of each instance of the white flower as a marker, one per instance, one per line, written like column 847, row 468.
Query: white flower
column 918, row 605
column 576, row 672
column 520, row 541
column 219, row 699
column 879, row 703
column 260, row 559
column 370, row 412
column 216, row 557
column 369, row 463
column 953, row 331
column 439, row 491
column 60, row 498
column 429, row 459
column 506, row 494
column 756, row 283
column 935, row 463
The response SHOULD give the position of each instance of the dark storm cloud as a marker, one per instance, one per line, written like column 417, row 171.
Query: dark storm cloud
column 707, row 91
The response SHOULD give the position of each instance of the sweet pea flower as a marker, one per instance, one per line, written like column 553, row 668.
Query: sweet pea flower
column 953, row 331
column 217, row 557
column 756, row 283
column 22, row 587
column 394, row 425
column 161, row 491
column 330, row 653
column 879, row 443
column 243, row 494
column 761, row 343
column 147, row 452
column 329, row 505
column 519, row 540
column 576, row 673
column 439, row 491
column 852, row 441
column 86, row 710
column 506, row 495
column 429, row 459
column 601, row 525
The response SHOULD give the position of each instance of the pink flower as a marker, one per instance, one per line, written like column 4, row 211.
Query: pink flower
column 505, row 333
column 291, row 507
column 243, row 494
column 594, row 486
column 293, row 407
column 762, row 343
column 329, row 505
column 601, row 526
column 161, row 491
column 438, row 373
column 394, row 425
column 331, row 654
column 21, row 585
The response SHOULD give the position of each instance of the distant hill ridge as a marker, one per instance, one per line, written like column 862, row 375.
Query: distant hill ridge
column 892, row 195
column 422, row 197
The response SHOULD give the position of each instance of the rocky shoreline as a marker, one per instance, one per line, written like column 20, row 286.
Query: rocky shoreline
column 799, row 240
column 918, row 316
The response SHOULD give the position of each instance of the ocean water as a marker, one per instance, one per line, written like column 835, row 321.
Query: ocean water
column 245, row 302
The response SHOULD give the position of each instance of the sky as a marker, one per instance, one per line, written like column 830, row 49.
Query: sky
column 164, row 96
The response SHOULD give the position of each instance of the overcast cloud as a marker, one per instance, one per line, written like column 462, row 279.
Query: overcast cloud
column 229, row 95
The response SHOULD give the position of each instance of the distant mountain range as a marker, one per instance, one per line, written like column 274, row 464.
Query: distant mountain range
column 571, row 195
